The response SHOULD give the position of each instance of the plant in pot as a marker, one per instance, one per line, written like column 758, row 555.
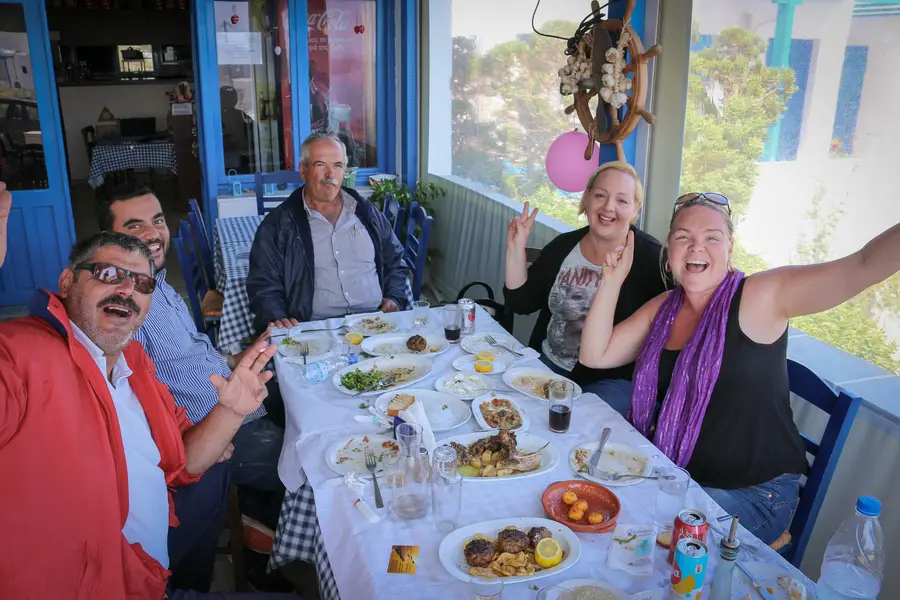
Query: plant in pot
column 425, row 194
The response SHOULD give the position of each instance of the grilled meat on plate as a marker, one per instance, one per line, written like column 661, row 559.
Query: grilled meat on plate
column 513, row 541
column 479, row 553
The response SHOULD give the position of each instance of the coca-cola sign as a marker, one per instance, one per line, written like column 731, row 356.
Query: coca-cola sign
column 332, row 19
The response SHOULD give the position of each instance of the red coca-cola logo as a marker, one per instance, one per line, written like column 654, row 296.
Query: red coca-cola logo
column 331, row 20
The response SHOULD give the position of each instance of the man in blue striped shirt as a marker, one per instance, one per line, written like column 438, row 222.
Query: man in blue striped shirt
column 185, row 358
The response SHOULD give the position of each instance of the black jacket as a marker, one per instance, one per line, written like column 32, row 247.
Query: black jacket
column 282, row 275
column 644, row 282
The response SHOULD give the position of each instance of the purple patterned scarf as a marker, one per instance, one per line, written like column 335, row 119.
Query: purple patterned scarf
column 693, row 377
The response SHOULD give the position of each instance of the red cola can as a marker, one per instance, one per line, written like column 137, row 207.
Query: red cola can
column 690, row 523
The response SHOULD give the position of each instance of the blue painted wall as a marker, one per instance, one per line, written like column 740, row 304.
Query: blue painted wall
column 792, row 118
column 849, row 95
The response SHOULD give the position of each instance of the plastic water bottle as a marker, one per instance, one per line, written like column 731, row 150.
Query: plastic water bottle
column 853, row 567
column 317, row 372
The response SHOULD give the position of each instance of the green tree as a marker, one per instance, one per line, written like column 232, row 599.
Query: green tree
column 733, row 100
column 507, row 110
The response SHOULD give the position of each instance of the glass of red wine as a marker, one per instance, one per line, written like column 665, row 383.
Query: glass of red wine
column 561, row 394
column 452, row 323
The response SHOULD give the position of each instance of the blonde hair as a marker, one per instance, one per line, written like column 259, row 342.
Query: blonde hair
column 623, row 167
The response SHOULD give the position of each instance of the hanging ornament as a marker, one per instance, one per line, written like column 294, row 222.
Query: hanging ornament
column 566, row 165
column 359, row 29
column 234, row 16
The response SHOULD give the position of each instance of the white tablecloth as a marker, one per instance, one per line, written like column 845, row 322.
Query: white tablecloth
column 359, row 550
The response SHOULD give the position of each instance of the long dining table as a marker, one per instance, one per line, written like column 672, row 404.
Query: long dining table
column 359, row 550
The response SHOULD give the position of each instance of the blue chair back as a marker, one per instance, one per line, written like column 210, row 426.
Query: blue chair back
column 263, row 206
column 193, row 275
column 841, row 408
column 204, row 244
column 418, row 233
column 396, row 214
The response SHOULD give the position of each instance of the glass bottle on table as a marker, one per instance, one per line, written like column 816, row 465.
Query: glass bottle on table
column 409, row 489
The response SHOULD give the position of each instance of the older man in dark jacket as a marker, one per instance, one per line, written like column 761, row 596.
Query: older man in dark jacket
column 326, row 251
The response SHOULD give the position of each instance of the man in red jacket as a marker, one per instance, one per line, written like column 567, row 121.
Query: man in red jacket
column 91, row 442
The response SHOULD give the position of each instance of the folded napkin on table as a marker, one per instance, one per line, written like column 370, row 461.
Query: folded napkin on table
column 416, row 414
column 528, row 354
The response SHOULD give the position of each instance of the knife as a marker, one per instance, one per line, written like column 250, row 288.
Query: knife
column 756, row 584
column 604, row 435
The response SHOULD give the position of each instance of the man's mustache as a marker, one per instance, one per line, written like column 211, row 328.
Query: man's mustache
column 328, row 180
column 121, row 301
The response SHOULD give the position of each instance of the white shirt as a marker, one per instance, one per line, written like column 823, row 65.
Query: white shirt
column 148, row 497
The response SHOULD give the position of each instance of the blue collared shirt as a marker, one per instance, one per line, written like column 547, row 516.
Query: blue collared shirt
column 184, row 357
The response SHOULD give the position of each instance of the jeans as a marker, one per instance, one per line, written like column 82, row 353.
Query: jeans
column 766, row 509
column 254, row 468
column 201, row 508
column 615, row 392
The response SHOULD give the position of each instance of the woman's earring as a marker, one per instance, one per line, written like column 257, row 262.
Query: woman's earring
column 730, row 266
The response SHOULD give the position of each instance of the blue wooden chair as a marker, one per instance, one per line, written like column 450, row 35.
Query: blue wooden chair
column 842, row 408
column 206, row 304
column 396, row 214
column 263, row 206
column 415, row 246
column 204, row 244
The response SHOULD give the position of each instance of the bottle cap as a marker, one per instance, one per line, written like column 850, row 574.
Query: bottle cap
column 868, row 506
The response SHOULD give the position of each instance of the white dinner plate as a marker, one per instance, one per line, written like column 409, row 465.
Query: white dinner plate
column 572, row 584
column 466, row 364
column 373, row 324
column 464, row 386
column 348, row 454
column 453, row 559
column 319, row 347
column 444, row 412
column 420, row 366
column 487, row 399
column 616, row 458
column 526, row 379
column 475, row 343
column 388, row 344
column 767, row 575
column 525, row 442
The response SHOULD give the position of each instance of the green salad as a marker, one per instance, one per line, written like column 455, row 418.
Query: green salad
column 359, row 381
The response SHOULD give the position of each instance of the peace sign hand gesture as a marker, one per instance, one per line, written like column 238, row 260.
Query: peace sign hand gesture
column 244, row 391
column 520, row 228
column 618, row 262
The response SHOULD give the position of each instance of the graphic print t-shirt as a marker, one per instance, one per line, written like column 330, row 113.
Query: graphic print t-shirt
column 570, row 300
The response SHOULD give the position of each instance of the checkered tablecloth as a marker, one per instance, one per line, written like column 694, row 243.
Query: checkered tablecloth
column 124, row 154
column 298, row 537
column 233, row 238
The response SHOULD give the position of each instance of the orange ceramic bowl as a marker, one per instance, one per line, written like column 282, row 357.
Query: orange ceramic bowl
column 599, row 499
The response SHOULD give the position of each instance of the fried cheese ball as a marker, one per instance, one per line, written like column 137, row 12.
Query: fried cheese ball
column 595, row 518
column 575, row 514
column 569, row 497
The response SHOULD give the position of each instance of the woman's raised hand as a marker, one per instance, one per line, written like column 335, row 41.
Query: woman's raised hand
column 618, row 262
column 520, row 228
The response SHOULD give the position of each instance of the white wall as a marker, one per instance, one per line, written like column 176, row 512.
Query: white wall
column 82, row 105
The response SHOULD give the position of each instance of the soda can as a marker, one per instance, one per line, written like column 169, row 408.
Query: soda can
column 689, row 570
column 467, row 310
column 690, row 523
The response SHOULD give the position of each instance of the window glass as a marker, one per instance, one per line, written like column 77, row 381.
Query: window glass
column 504, row 108
column 342, row 74
column 254, row 85
column 22, row 164
column 791, row 119
column 135, row 59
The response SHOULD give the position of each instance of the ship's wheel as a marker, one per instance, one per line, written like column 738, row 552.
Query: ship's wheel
column 621, row 106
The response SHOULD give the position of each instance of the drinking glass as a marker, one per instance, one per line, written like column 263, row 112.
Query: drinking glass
column 446, row 489
column 452, row 323
column 562, row 398
column 487, row 588
column 420, row 314
column 672, row 487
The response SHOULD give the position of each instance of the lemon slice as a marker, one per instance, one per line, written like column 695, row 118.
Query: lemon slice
column 548, row 553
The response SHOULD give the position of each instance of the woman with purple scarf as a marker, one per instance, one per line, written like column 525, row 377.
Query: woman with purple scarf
column 711, row 387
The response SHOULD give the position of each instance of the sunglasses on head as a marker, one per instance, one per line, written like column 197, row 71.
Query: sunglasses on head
column 698, row 197
column 113, row 275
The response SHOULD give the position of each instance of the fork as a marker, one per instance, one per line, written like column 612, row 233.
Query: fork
column 384, row 381
column 370, row 465
column 495, row 344
column 304, row 351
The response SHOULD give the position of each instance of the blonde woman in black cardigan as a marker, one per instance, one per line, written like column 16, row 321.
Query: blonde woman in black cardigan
column 562, row 283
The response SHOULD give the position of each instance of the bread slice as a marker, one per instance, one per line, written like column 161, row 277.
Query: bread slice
column 398, row 403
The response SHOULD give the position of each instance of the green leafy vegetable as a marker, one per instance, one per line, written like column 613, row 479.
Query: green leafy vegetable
column 626, row 540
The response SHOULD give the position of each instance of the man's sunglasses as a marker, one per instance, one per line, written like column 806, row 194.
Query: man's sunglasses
column 698, row 197
column 113, row 275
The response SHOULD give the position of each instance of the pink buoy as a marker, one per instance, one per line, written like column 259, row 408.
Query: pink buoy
column 565, row 163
